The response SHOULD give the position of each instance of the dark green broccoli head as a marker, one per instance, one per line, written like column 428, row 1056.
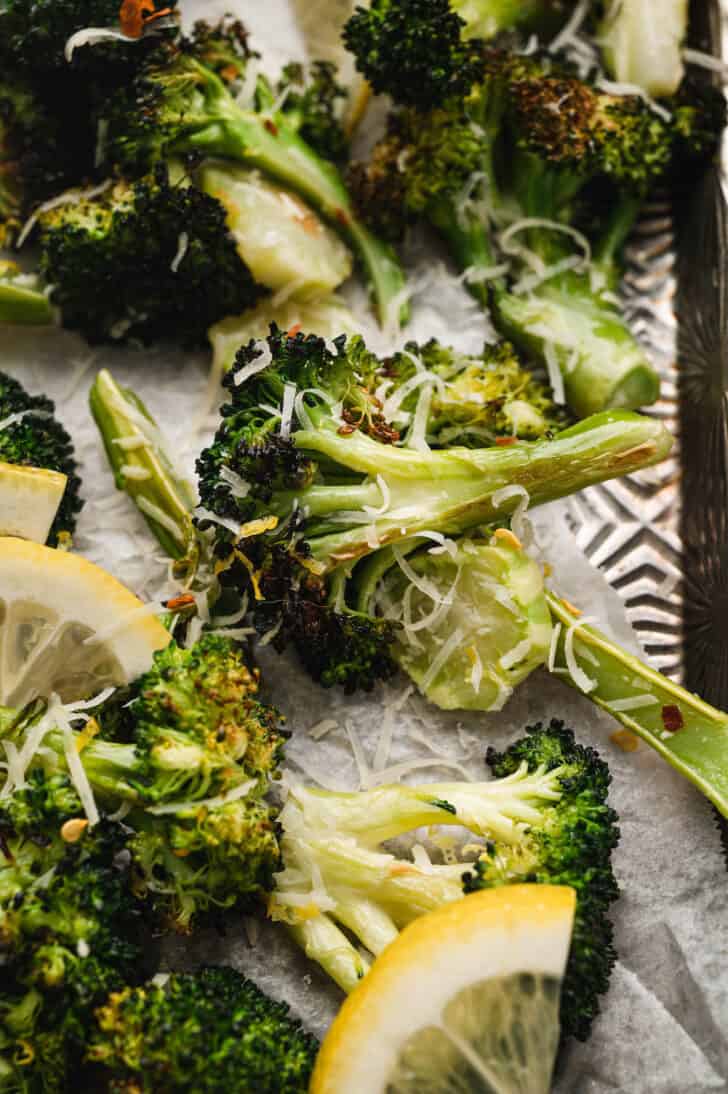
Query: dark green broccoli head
column 222, row 47
column 571, row 845
column 144, row 261
column 420, row 162
column 413, row 50
column 33, row 33
column 36, row 439
column 148, row 1039
column 314, row 106
column 69, row 933
column 206, row 696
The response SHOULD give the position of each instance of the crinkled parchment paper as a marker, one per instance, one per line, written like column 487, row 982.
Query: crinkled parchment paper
column 664, row 1026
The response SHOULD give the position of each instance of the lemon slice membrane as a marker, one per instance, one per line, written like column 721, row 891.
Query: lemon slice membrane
column 464, row 1001
column 52, row 605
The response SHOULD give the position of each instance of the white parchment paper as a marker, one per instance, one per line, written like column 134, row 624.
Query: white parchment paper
column 664, row 1026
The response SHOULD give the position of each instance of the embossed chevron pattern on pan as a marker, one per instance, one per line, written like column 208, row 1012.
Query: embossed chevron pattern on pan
column 630, row 527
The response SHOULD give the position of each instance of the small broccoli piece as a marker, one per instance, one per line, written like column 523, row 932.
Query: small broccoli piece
column 314, row 105
column 412, row 49
column 333, row 486
column 197, row 755
column 23, row 301
column 650, row 61
column 570, row 845
column 145, row 1038
column 31, row 436
column 179, row 105
column 544, row 819
column 34, row 33
column 145, row 260
column 69, row 930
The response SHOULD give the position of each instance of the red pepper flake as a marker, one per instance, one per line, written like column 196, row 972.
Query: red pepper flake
column 672, row 719
column 271, row 126
column 294, row 330
column 342, row 218
column 178, row 602
column 135, row 15
column 503, row 442
column 346, row 430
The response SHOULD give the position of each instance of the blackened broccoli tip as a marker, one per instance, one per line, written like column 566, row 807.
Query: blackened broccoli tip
column 34, row 35
column 31, row 436
column 413, row 50
column 145, row 260
column 145, row 1038
column 70, row 932
column 571, row 845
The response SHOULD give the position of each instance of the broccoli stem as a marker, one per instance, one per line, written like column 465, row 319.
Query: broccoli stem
column 323, row 942
column 131, row 440
column 690, row 734
column 269, row 143
column 23, row 304
column 454, row 489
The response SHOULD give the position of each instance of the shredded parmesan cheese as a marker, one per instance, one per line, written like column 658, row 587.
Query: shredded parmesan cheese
column 183, row 243
column 633, row 702
column 262, row 361
column 580, row 678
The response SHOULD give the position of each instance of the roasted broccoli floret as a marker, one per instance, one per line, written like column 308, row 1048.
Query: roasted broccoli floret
column 522, row 165
column 314, row 104
column 197, row 754
column 147, row 1039
column 69, row 930
column 34, row 34
column 146, row 260
column 544, row 819
column 179, row 105
column 30, row 436
column 323, row 457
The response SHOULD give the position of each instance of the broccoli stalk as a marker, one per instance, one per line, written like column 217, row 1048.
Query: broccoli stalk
column 133, row 443
column 545, row 819
column 651, row 61
column 179, row 105
column 22, row 300
column 687, row 732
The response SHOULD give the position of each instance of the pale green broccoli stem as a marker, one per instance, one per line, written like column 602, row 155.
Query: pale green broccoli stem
column 141, row 468
column 454, row 489
column 652, row 60
column 24, row 304
column 690, row 734
column 323, row 942
column 268, row 142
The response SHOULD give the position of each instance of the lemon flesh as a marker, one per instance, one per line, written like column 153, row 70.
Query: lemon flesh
column 53, row 605
column 29, row 500
column 466, row 999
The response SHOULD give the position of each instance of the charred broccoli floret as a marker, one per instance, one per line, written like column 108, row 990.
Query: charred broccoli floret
column 69, row 930
column 314, row 104
column 535, row 166
column 145, row 1038
column 544, row 819
column 145, row 260
column 30, row 436
column 326, row 454
column 179, row 104
column 571, row 844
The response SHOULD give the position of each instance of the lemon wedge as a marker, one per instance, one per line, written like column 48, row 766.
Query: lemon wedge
column 66, row 626
column 29, row 500
column 465, row 999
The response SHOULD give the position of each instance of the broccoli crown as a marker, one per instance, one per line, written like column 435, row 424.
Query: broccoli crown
column 571, row 844
column 413, row 50
column 69, row 932
column 145, row 260
column 148, row 1039
column 37, row 439
column 314, row 105
column 222, row 47
column 206, row 696
column 33, row 34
